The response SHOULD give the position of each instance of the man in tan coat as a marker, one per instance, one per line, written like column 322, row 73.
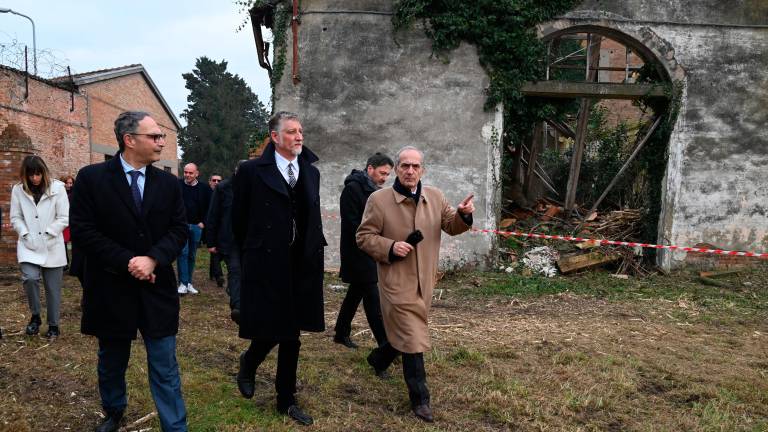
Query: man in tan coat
column 401, row 231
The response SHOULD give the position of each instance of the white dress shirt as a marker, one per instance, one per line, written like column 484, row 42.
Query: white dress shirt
column 282, row 166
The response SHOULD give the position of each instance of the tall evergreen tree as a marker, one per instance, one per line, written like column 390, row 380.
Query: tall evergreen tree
column 223, row 117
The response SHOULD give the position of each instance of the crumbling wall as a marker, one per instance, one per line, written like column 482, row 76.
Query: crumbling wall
column 715, row 187
column 364, row 89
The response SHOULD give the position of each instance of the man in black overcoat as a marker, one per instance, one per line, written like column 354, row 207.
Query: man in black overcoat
column 221, row 240
column 276, row 221
column 358, row 269
column 128, row 225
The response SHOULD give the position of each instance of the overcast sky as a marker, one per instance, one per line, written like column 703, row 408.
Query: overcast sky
column 164, row 36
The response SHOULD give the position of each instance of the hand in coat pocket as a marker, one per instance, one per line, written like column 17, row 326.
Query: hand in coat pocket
column 29, row 242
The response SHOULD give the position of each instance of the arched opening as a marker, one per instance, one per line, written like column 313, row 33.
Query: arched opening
column 600, row 155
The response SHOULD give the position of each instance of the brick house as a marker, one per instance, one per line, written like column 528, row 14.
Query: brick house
column 69, row 123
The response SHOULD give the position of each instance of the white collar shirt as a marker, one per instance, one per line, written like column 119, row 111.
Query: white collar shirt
column 127, row 168
column 282, row 166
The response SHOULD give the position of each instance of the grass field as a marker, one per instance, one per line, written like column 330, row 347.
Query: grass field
column 583, row 353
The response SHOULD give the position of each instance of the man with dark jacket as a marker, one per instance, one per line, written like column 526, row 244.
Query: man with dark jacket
column 215, row 272
column 357, row 268
column 196, row 196
column 128, row 226
column 221, row 241
column 276, row 221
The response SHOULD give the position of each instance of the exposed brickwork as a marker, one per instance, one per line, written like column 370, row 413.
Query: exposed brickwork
column 111, row 97
column 54, row 123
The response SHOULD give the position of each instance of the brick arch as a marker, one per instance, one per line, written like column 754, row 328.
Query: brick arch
column 15, row 145
column 644, row 41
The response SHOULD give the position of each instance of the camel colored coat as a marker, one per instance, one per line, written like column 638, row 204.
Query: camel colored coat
column 406, row 285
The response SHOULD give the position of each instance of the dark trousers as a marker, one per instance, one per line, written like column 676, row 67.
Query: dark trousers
column 232, row 259
column 287, row 364
column 413, row 371
column 164, row 381
column 369, row 294
column 214, row 267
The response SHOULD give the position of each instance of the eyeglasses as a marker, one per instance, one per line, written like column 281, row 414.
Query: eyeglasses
column 215, row 180
column 155, row 137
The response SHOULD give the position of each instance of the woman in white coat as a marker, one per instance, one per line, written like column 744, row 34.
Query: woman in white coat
column 39, row 214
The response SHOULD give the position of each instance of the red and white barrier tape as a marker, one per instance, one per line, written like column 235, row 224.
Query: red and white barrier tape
column 612, row 242
column 600, row 242
column 623, row 243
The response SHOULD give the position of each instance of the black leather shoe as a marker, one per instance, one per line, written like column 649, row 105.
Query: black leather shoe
column 220, row 282
column 381, row 373
column 235, row 315
column 246, row 379
column 53, row 332
column 33, row 327
column 297, row 415
column 346, row 341
column 424, row 412
column 111, row 423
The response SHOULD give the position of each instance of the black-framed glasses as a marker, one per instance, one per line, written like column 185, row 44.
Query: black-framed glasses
column 155, row 137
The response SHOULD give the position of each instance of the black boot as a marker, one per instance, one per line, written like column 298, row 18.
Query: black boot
column 246, row 377
column 111, row 423
column 53, row 332
column 33, row 327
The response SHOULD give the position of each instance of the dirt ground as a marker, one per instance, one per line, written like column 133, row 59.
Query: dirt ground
column 509, row 353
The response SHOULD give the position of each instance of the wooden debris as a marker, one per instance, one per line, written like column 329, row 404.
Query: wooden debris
column 551, row 212
column 569, row 264
column 587, row 245
column 713, row 282
column 505, row 223
column 713, row 274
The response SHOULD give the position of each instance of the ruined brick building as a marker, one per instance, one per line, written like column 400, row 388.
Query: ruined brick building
column 361, row 89
column 69, row 123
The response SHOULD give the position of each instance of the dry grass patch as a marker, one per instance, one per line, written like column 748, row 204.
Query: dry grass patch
column 588, row 353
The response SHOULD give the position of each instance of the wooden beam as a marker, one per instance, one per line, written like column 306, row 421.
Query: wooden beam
column 567, row 89
column 626, row 165
column 562, row 127
column 578, row 152
column 568, row 264
column 533, row 155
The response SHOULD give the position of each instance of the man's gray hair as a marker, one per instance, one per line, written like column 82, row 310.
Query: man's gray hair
column 127, row 123
column 276, row 121
column 407, row 148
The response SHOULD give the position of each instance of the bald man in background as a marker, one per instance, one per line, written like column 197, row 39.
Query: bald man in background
column 196, row 196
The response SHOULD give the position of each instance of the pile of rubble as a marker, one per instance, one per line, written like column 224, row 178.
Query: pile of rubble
column 546, row 257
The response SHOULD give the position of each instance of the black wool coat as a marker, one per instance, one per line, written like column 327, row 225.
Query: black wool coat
column 356, row 265
column 218, row 223
column 107, row 231
column 278, row 296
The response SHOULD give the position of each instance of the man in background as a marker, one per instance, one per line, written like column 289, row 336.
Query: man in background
column 215, row 271
column 221, row 241
column 357, row 268
column 196, row 197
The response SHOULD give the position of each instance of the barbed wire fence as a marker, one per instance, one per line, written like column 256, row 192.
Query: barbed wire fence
column 17, row 55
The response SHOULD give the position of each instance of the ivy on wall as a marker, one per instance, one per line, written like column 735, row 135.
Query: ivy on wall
column 507, row 44
column 503, row 31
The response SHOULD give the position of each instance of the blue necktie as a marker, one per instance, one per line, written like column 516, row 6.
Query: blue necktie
column 135, row 188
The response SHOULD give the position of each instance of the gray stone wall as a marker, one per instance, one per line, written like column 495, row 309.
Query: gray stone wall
column 716, row 188
column 364, row 89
